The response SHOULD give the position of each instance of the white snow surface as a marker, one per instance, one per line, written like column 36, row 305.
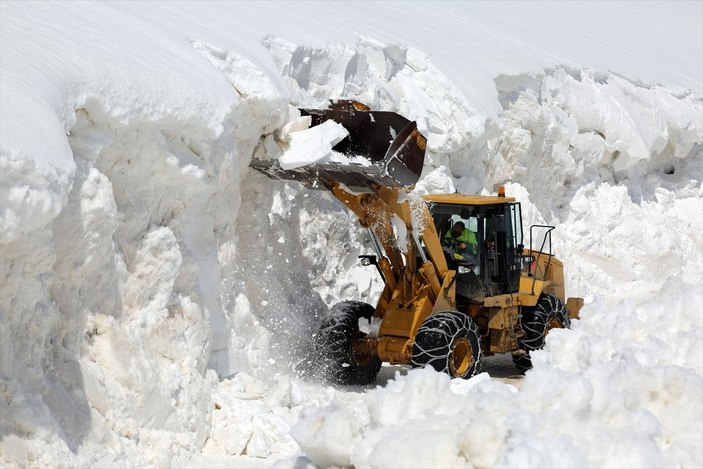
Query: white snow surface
column 312, row 145
column 157, row 296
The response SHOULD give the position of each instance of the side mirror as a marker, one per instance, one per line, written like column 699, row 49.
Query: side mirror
column 370, row 259
column 367, row 260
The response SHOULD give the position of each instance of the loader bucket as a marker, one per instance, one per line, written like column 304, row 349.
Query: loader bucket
column 390, row 143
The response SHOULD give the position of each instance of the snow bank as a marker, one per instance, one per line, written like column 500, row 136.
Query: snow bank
column 141, row 258
column 118, row 210
column 111, row 304
column 616, row 390
column 615, row 165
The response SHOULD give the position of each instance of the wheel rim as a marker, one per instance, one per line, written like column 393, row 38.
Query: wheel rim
column 360, row 357
column 553, row 323
column 461, row 358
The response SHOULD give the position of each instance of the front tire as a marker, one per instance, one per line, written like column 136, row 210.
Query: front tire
column 549, row 313
column 448, row 342
column 337, row 358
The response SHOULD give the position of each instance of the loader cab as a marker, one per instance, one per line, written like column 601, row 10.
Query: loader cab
column 497, row 225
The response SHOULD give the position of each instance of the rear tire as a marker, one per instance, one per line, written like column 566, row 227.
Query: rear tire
column 549, row 313
column 448, row 342
column 334, row 345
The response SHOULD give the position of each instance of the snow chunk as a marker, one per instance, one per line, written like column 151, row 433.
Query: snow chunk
column 312, row 145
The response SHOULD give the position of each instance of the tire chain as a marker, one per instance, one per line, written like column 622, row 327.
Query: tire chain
column 449, row 326
column 534, row 323
column 332, row 344
column 535, row 326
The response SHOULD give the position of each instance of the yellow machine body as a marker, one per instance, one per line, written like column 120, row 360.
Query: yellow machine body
column 419, row 281
column 415, row 289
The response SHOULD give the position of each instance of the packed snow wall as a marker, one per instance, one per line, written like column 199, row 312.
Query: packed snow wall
column 119, row 283
column 109, row 305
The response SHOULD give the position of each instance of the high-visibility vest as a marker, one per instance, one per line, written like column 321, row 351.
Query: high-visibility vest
column 467, row 236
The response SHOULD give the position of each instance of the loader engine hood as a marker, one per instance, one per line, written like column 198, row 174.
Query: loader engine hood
column 391, row 144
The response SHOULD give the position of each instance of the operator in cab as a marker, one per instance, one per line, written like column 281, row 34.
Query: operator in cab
column 463, row 239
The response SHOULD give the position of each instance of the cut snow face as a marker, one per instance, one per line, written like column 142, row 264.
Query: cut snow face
column 158, row 298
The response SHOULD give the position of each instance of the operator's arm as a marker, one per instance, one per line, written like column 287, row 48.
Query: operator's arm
column 447, row 238
column 468, row 239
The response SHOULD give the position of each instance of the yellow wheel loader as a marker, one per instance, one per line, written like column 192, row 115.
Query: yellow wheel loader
column 447, row 302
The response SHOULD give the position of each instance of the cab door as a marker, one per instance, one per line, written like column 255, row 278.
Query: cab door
column 502, row 230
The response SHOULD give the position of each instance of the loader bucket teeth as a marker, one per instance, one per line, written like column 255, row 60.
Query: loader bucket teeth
column 392, row 145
